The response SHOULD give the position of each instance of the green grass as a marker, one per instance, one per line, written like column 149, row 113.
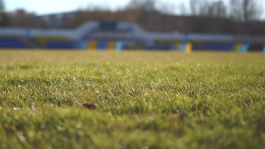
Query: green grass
column 140, row 95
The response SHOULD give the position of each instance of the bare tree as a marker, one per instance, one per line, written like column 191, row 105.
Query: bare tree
column 4, row 21
column 208, row 8
column 197, row 7
column 217, row 9
column 2, row 8
column 182, row 9
column 147, row 14
column 245, row 10
column 166, row 8
column 145, row 5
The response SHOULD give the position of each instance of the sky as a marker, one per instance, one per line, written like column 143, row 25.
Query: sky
column 41, row 7
column 53, row 6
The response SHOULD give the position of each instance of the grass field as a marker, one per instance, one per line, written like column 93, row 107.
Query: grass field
column 166, row 100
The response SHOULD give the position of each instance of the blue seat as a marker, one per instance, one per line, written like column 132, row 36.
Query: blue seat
column 158, row 47
column 12, row 42
column 60, row 44
column 102, row 45
column 219, row 46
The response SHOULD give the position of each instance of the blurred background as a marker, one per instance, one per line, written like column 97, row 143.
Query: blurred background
column 184, row 25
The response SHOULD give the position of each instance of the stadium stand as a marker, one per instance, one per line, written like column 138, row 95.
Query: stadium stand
column 60, row 45
column 185, row 47
column 102, row 45
column 159, row 47
column 55, row 42
column 119, row 46
column 108, row 26
column 198, row 46
column 236, row 47
column 92, row 45
column 256, row 47
column 96, row 35
column 14, row 42
column 82, row 45
column 244, row 48
column 219, row 46
column 111, row 45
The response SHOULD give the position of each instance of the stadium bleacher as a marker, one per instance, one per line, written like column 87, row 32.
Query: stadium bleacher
column 119, row 35
column 13, row 42
column 256, row 47
column 159, row 47
column 60, row 45
column 219, row 46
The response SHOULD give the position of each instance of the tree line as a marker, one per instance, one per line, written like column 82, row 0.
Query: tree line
column 240, row 17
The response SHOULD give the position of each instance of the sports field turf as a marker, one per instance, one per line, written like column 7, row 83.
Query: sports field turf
column 166, row 100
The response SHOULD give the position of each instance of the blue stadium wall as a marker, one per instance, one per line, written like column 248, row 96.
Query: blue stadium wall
column 85, row 38
column 20, row 42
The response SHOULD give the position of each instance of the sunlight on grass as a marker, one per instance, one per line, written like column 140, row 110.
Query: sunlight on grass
column 145, row 100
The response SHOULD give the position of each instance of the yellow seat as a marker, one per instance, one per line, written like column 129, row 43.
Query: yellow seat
column 92, row 45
